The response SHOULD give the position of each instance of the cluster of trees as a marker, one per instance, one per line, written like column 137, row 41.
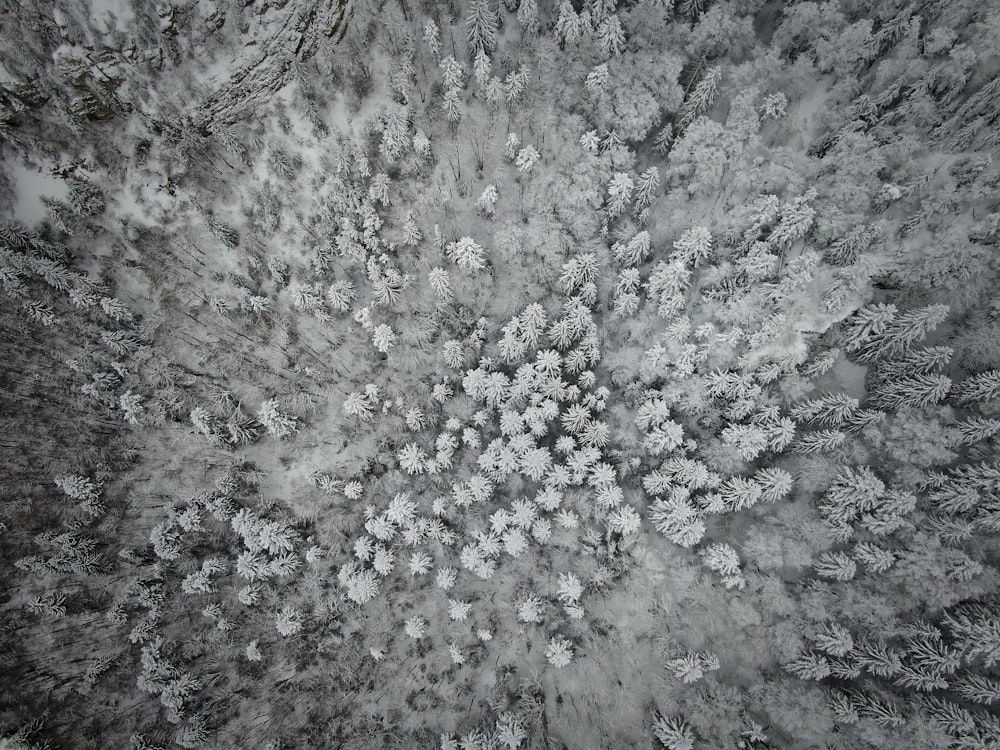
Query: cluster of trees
column 573, row 288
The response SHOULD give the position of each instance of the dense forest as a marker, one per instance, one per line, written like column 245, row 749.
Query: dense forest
column 493, row 374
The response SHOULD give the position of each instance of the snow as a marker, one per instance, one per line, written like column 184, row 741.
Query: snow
column 121, row 9
column 30, row 185
column 643, row 601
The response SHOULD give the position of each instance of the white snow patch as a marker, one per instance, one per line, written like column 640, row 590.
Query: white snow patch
column 121, row 9
column 29, row 187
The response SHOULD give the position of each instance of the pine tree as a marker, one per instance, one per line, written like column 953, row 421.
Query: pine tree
column 774, row 106
column 833, row 639
column 619, row 193
column 412, row 459
column 835, row 565
column 647, row 188
column 510, row 729
column 529, row 609
column 288, row 622
column 674, row 733
column 432, row 38
column 596, row 82
column 748, row 440
column 527, row 16
column 359, row 405
column 702, row 97
column 486, row 204
column 870, row 321
column 611, row 37
column 844, row 707
column 467, row 254
column 796, row 219
column 976, row 630
column 415, row 627
column 852, row 493
column 809, row 666
column 559, row 652
column 482, row 25
column 950, row 716
column 978, row 689
column 694, row 245
column 569, row 27
column 978, row 388
column 876, row 559
column 724, row 560
column 452, row 104
column 830, row 410
column 912, row 391
column 515, row 84
column 445, row 578
column 819, row 442
column 688, row 668
column 411, row 231
column 526, row 159
column 440, row 282
column 383, row 338
column 899, row 332
column 277, row 424
column 481, row 69
column 775, row 483
column 975, row 429
column 664, row 139
column 740, row 493
column 878, row 658
column 932, row 655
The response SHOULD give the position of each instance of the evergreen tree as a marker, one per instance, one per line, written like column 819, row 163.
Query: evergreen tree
column 702, row 97
column 527, row 16
column 835, row 565
column 611, row 37
column 647, row 187
column 674, row 733
column 482, row 25
column 979, row 388
column 619, row 193
column 913, row 391
column 432, row 38
column 467, row 254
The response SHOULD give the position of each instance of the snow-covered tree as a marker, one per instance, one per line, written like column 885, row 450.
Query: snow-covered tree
column 459, row 611
column 412, row 459
column 611, row 37
column 482, row 25
column 415, row 627
column 570, row 589
column 432, row 38
column 277, row 424
column 694, row 245
column 527, row 158
column 383, row 338
column 646, row 189
column 486, row 204
column 529, row 609
column 702, row 97
column 724, row 560
column 674, row 733
column 619, row 193
column 836, row 565
column 559, row 652
column 288, row 621
column 467, row 254
column 445, row 578
column 527, row 16
column 834, row 639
